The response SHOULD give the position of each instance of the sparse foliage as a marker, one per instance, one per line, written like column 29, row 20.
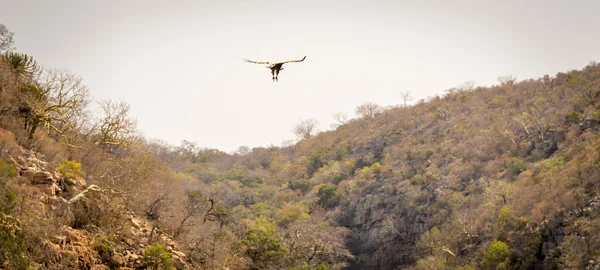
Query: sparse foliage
column 117, row 126
column 406, row 97
column 340, row 119
column 157, row 257
column 368, row 110
column 507, row 80
column 306, row 128
column 7, row 42
column 197, row 205
column 58, row 99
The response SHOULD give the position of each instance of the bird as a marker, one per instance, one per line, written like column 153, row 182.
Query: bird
column 275, row 67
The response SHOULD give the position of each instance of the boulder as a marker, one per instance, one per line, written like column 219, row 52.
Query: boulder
column 58, row 240
column 51, row 190
column 135, row 223
column 178, row 262
column 81, row 196
column 73, row 236
column 42, row 178
column 117, row 260
column 131, row 257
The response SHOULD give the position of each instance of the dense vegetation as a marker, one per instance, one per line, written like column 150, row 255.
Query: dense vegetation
column 500, row 177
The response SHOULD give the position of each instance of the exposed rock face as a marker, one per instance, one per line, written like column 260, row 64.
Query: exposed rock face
column 384, row 232
column 42, row 178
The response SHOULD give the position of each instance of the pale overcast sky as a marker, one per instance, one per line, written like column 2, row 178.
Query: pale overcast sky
column 179, row 63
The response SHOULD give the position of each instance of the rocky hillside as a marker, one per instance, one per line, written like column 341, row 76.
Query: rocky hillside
column 498, row 177
column 58, row 209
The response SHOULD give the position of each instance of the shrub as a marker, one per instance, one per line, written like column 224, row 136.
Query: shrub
column 7, row 170
column 69, row 169
column 573, row 117
column 597, row 114
column 505, row 216
column 290, row 213
column 558, row 161
column 497, row 256
column 262, row 244
column 321, row 266
column 350, row 165
column 242, row 174
column 105, row 248
column 417, row 180
column 13, row 252
column 364, row 172
column 8, row 200
column 517, row 166
column 376, row 168
column 302, row 185
column 575, row 81
column 329, row 197
column 157, row 257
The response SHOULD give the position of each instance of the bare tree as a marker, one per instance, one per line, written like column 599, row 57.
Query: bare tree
column 59, row 97
column 466, row 86
column 306, row 128
column 116, row 127
column 368, row 110
column 507, row 80
column 340, row 119
column 406, row 97
column 196, row 206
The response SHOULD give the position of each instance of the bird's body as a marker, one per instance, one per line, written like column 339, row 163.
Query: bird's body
column 275, row 67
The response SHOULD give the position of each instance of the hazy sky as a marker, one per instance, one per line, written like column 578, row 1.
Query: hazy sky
column 179, row 63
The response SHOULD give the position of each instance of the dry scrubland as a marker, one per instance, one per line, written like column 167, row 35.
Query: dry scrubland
column 500, row 177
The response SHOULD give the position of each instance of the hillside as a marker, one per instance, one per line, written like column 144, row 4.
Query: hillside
column 499, row 177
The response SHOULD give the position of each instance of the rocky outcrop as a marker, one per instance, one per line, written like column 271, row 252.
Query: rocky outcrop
column 589, row 124
column 77, row 203
column 384, row 232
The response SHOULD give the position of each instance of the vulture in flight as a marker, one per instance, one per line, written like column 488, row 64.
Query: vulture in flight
column 275, row 66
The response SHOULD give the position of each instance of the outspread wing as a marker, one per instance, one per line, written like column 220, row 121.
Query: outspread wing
column 292, row 61
column 255, row 62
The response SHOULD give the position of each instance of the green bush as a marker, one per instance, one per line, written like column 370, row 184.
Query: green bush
column 575, row 81
column 242, row 174
column 157, row 257
column 417, row 180
column 69, row 169
column 106, row 249
column 573, row 117
column 8, row 200
column 329, row 197
column 7, row 170
column 13, row 252
column 376, row 168
column 263, row 245
column 365, row 171
column 321, row 266
column 302, row 185
column 558, row 161
column 597, row 114
column 517, row 166
column 498, row 255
